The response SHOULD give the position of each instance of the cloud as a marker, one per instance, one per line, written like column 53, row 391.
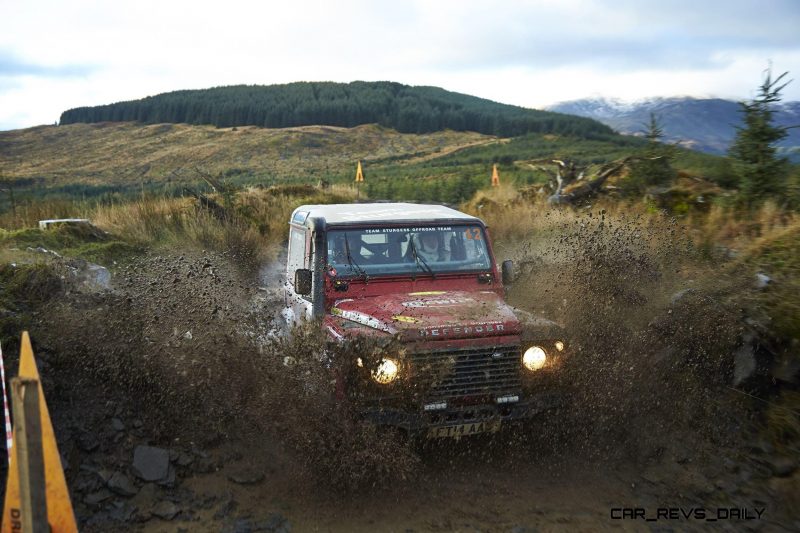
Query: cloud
column 621, row 35
column 11, row 66
column 55, row 55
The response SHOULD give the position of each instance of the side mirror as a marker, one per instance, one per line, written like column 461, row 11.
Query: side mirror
column 302, row 281
column 508, row 272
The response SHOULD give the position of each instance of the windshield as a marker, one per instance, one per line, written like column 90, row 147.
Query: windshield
column 380, row 251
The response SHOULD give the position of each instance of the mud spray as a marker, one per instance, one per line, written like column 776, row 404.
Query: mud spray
column 652, row 326
column 183, row 341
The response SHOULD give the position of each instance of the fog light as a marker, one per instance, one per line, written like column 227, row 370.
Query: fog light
column 386, row 372
column 559, row 346
column 534, row 358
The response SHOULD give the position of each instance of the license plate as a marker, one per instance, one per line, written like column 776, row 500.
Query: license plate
column 463, row 430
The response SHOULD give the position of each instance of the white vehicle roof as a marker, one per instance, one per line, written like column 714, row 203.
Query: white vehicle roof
column 335, row 214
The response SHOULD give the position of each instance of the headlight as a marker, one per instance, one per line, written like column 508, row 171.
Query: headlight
column 386, row 372
column 534, row 358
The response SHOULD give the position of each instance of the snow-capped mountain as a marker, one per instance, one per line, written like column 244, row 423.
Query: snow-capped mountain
column 705, row 124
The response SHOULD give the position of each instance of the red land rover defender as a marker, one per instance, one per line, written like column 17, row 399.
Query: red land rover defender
column 422, row 278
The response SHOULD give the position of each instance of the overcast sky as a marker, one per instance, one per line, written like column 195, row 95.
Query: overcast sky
column 59, row 54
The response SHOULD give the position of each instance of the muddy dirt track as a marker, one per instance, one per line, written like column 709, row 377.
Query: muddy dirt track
column 175, row 412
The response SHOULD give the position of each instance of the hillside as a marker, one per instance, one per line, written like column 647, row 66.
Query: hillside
column 121, row 156
column 708, row 125
column 401, row 107
column 93, row 161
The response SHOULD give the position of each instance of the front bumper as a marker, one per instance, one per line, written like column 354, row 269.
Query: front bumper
column 419, row 421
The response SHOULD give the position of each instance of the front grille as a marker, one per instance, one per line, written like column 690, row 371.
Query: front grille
column 468, row 372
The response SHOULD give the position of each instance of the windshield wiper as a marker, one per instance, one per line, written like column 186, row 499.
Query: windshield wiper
column 353, row 265
column 420, row 261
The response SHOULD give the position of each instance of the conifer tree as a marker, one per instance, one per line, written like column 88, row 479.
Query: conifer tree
column 654, row 168
column 762, row 174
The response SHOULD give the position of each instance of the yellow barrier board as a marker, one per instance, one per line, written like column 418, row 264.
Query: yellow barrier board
column 59, row 507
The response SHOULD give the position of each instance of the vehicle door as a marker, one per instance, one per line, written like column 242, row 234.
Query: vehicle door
column 299, row 307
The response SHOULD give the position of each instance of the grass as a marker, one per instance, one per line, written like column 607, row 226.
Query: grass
column 139, row 158
column 101, row 164
column 253, row 230
column 783, row 422
column 23, row 288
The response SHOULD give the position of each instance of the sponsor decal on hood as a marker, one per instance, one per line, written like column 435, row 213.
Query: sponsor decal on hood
column 363, row 319
column 432, row 315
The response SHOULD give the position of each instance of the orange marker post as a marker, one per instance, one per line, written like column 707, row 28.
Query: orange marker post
column 359, row 173
column 495, row 176
column 60, row 516
column 359, row 180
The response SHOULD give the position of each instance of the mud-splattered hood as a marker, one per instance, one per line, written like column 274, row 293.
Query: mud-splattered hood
column 432, row 315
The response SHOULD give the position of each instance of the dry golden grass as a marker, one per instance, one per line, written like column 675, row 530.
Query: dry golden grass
column 514, row 215
column 130, row 154
column 253, row 230
column 746, row 233
column 29, row 214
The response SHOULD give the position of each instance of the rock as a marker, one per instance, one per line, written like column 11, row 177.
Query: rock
column 744, row 364
column 762, row 280
column 188, row 335
column 151, row 463
column 184, row 459
column 678, row 296
column 117, row 424
column 97, row 497
column 246, row 477
column 146, row 499
column 205, row 465
column 120, row 484
column 165, row 510
column 89, row 276
column 88, row 442
column 122, row 511
column 168, row 481
column 204, row 502
column 87, row 482
column 782, row 466
column 105, row 474
column 276, row 522
column 227, row 507
column 652, row 476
